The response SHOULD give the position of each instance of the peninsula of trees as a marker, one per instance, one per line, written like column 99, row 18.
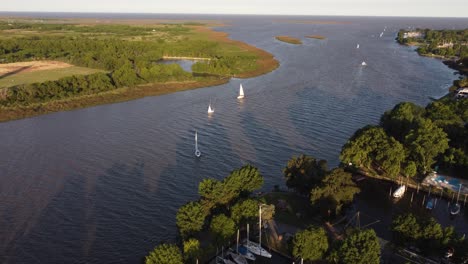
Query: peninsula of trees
column 126, row 58
column 447, row 44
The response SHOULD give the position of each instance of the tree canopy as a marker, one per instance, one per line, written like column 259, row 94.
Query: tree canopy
column 336, row 189
column 303, row 172
column 361, row 247
column 310, row 244
column 165, row 254
column 190, row 218
column 223, row 227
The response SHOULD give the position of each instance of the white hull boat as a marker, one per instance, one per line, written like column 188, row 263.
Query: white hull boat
column 398, row 193
column 257, row 249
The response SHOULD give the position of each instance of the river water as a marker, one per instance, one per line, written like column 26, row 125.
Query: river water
column 103, row 184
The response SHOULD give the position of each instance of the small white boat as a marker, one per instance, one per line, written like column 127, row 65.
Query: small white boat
column 197, row 151
column 398, row 193
column 357, row 47
column 364, row 63
column 381, row 34
column 241, row 92
column 220, row 260
column 456, row 207
column 257, row 249
column 210, row 109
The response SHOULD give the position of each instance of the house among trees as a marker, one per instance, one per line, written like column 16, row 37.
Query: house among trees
column 413, row 34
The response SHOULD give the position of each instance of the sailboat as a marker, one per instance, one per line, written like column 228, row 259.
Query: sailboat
column 235, row 256
column 197, row 152
column 381, row 34
column 456, row 207
column 241, row 92
column 210, row 109
column 357, row 47
column 254, row 247
column 364, row 63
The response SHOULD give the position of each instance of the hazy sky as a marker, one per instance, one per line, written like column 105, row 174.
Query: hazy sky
column 439, row 8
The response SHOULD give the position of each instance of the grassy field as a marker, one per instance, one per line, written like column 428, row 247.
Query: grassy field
column 289, row 40
column 43, row 75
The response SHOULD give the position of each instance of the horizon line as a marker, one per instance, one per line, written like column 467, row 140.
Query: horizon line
column 227, row 14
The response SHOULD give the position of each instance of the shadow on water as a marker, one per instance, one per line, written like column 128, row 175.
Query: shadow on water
column 19, row 70
column 78, row 223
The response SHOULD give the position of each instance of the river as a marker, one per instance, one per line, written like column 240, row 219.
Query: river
column 103, row 184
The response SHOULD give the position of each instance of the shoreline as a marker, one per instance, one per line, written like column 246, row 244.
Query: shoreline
column 265, row 63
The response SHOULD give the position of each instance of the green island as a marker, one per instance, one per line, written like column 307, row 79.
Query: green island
column 289, row 40
column 408, row 143
column 450, row 45
column 55, row 65
column 316, row 37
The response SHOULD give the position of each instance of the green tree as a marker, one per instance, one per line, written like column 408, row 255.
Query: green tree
column 244, row 210
column 399, row 121
column 336, row 189
column 410, row 169
column 191, row 249
column 190, row 218
column 425, row 142
column 212, row 192
column 310, row 244
column 406, row 228
column 223, row 227
column 361, row 247
column 371, row 146
column 165, row 254
column 303, row 172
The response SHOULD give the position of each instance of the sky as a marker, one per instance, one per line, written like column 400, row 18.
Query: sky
column 425, row 8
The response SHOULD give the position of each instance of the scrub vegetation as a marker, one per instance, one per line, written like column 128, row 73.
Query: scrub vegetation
column 289, row 40
column 122, row 63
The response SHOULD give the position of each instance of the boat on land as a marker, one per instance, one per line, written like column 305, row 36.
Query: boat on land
column 197, row 151
column 398, row 193
column 364, row 63
column 246, row 253
column 456, row 207
column 253, row 247
column 241, row 92
column 237, row 258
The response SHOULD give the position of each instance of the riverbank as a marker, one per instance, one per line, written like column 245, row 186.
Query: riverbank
column 264, row 63
column 114, row 96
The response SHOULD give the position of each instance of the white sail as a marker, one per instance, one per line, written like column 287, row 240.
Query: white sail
column 197, row 152
column 363, row 63
column 241, row 92
column 210, row 110
column 357, row 47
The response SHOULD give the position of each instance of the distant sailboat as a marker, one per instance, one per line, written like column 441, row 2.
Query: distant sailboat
column 364, row 63
column 456, row 207
column 210, row 110
column 357, row 47
column 197, row 152
column 241, row 92
column 381, row 34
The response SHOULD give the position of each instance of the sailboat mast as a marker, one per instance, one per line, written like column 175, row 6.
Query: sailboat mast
column 260, row 227
column 237, row 243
